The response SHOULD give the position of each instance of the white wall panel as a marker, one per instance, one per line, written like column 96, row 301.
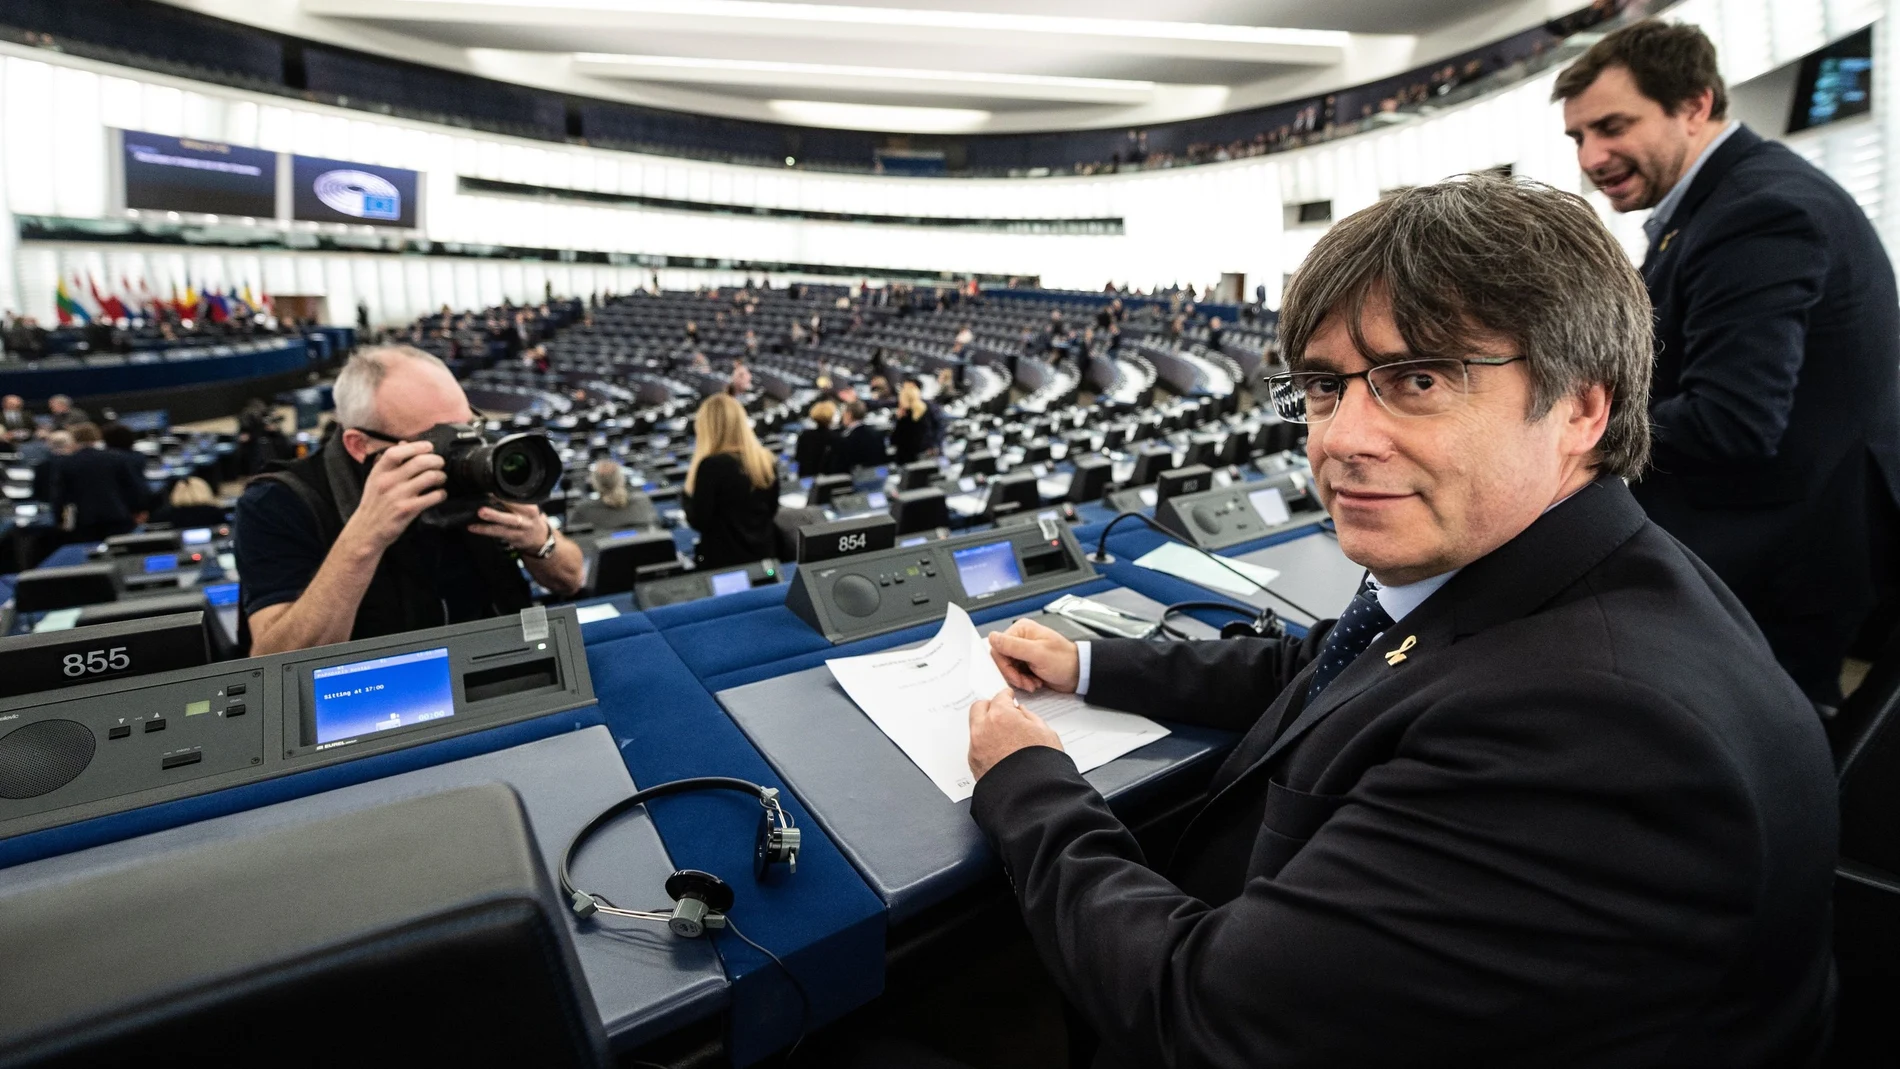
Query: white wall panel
column 78, row 148
column 1184, row 225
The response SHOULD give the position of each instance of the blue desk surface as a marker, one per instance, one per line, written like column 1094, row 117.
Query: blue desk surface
column 823, row 921
column 913, row 845
column 39, row 383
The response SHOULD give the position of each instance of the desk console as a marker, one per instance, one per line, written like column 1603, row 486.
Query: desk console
column 1229, row 515
column 110, row 746
column 875, row 593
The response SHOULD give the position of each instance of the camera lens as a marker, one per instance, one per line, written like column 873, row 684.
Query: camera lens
column 524, row 467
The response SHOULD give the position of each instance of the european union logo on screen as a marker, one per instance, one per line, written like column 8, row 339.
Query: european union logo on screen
column 359, row 193
column 365, row 697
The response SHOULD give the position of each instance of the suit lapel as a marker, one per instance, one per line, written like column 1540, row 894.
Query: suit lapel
column 1512, row 582
column 1738, row 145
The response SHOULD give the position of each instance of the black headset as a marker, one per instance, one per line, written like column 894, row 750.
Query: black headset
column 700, row 899
column 1264, row 623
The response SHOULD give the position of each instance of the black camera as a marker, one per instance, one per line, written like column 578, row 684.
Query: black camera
column 520, row 468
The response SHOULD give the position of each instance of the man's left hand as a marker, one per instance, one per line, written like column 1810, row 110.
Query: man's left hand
column 519, row 527
column 999, row 727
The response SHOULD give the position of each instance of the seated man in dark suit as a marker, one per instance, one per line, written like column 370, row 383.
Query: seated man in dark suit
column 1776, row 402
column 1540, row 796
column 858, row 445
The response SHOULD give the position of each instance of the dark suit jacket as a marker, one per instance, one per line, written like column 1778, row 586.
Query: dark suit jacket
column 733, row 517
column 105, row 486
column 809, row 454
column 1585, row 821
column 861, row 446
column 1776, row 401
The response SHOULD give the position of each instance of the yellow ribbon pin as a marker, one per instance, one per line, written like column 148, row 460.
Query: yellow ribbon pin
column 1664, row 246
column 1399, row 654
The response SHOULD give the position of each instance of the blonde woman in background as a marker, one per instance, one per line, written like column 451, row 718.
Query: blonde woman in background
column 618, row 505
column 915, row 431
column 731, row 487
column 814, row 442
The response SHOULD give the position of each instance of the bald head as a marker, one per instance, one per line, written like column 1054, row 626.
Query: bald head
column 396, row 393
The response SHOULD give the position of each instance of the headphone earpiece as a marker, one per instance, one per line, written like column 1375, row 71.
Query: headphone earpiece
column 700, row 901
column 777, row 844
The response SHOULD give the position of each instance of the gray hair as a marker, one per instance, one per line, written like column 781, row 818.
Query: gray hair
column 355, row 389
column 1486, row 255
column 610, row 482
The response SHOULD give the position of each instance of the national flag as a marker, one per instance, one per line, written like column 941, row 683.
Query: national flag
column 217, row 311
column 190, row 308
column 237, row 305
column 109, row 305
column 68, row 308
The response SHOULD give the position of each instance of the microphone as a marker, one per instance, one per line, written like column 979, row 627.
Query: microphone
column 1102, row 556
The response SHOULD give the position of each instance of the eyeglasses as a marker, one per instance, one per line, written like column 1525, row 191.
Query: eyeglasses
column 1430, row 387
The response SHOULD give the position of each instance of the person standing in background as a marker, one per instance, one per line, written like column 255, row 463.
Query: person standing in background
column 731, row 487
column 103, row 491
column 1776, row 398
column 814, row 442
column 915, row 430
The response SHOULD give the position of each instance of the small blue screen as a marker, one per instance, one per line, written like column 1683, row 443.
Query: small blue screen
column 877, row 500
column 196, row 536
column 222, row 594
column 364, row 697
column 161, row 562
column 987, row 569
column 730, row 583
column 918, row 541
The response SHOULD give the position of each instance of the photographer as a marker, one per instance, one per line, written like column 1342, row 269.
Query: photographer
column 329, row 548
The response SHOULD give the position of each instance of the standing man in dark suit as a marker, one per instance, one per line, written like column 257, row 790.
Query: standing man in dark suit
column 1776, row 402
column 105, row 491
column 1541, row 795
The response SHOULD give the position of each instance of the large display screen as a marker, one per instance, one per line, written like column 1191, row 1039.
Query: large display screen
column 365, row 697
column 1835, row 83
column 987, row 569
column 171, row 174
column 336, row 191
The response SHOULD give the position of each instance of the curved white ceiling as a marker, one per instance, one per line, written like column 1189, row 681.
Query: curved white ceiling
column 924, row 66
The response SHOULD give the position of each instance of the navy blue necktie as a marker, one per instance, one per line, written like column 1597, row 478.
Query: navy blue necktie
column 1364, row 620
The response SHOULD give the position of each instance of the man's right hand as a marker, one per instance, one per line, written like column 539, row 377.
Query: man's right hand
column 1032, row 657
column 406, row 481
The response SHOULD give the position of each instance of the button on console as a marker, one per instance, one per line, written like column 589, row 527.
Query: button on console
column 156, row 723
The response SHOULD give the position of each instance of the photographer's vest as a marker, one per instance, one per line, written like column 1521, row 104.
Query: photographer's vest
column 402, row 595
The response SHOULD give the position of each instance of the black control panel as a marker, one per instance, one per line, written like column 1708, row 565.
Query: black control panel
column 875, row 593
column 705, row 583
column 1229, row 515
column 105, row 747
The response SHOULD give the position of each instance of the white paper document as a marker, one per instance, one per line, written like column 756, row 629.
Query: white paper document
column 1183, row 562
column 921, row 698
